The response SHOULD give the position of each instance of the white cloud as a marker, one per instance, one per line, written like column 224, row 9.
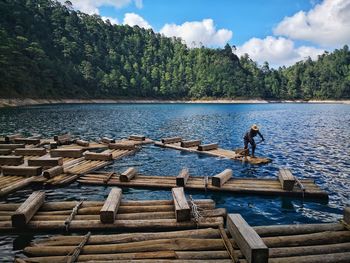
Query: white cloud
column 91, row 6
column 327, row 24
column 198, row 32
column 133, row 19
column 113, row 20
column 277, row 51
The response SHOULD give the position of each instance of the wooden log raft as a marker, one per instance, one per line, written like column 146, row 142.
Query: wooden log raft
column 192, row 143
column 250, row 243
column 208, row 147
column 128, row 175
column 11, row 160
column 286, row 179
column 111, row 205
column 98, row 156
column 22, row 170
column 182, row 178
column 11, row 146
column 27, row 210
column 171, row 140
column 135, row 137
column 30, row 151
column 182, row 209
column 220, row 179
column 70, row 153
column 46, row 162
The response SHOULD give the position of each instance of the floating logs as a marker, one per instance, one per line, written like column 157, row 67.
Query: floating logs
column 220, row 179
column 135, row 137
column 183, row 176
column 22, row 170
column 128, row 175
column 171, row 140
column 46, row 161
column 11, row 160
column 192, row 143
column 70, row 153
column 98, row 156
column 111, row 205
column 30, row 151
column 208, row 147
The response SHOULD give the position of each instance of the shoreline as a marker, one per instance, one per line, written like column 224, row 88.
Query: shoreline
column 29, row 102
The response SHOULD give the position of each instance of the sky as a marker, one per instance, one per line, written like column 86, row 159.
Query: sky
column 280, row 32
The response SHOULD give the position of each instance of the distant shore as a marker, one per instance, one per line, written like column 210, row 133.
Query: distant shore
column 27, row 102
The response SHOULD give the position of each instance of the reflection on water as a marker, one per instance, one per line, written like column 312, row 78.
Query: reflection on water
column 313, row 140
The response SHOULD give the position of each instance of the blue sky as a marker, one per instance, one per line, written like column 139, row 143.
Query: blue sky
column 278, row 31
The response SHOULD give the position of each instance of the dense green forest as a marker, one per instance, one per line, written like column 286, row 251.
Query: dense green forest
column 49, row 50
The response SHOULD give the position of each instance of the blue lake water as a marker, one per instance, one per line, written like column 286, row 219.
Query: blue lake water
column 311, row 139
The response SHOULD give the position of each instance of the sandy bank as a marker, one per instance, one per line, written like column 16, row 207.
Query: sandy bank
column 26, row 102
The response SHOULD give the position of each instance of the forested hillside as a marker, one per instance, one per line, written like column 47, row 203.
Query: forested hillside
column 49, row 50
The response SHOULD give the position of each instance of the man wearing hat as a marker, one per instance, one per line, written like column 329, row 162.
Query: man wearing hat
column 249, row 138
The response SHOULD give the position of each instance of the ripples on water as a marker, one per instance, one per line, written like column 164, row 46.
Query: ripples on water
column 313, row 140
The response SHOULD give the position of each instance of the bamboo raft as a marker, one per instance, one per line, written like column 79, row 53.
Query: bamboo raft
column 114, row 213
column 305, row 243
column 212, row 149
column 285, row 185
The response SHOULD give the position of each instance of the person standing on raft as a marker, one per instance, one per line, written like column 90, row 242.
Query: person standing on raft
column 249, row 138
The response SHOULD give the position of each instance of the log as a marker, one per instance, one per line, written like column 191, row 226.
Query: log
column 11, row 146
column 171, row 140
column 208, row 147
column 182, row 178
column 249, row 242
column 82, row 143
column 46, row 162
column 135, row 137
column 10, row 138
column 128, row 175
column 192, row 143
column 286, row 179
column 111, row 205
column 27, row 210
column 54, row 171
column 182, row 209
column 53, row 145
column 346, row 216
column 220, row 179
column 17, row 185
column 22, row 170
column 5, row 151
column 98, row 156
column 27, row 140
column 324, row 258
column 30, row 151
column 107, row 140
column 63, row 139
column 121, row 146
column 70, row 153
column 11, row 160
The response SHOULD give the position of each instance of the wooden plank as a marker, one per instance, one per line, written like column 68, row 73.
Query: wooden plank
column 62, row 139
column 346, row 217
column 121, row 146
column 286, row 179
column 54, row 171
column 135, row 137
column 82, row 143
column 98, row 156
column 111, row 205
column 10, row 138
column 5, row 151
column 208, row 147
column 71, row 153
column 21, row 170
column 46, row 162
column 128, row 175
column 11, row 160
column 11, row 146
column 220, row 179
column 27, row 140
column 171, row 140
column 107, row 140
column 182, row 209
column 27, row 210
column 31, row 151
column 182, row 178
column 249, row 242
column 191, row 143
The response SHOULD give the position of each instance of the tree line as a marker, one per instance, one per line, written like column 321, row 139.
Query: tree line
column 49, row 50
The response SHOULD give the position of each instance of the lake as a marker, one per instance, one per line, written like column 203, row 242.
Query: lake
column 311, row 139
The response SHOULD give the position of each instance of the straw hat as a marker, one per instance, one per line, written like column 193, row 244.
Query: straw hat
column 255, row 127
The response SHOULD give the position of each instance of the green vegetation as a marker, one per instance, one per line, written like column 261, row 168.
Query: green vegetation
column 48, row 50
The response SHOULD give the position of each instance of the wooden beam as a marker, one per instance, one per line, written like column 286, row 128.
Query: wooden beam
column 286, row 179
column 82, row 143
column 98, row 156
column 249, row 242
column 54, row 171
column 53, row 145
column 27, row 210
column 107, row 140
column 21, row 170
column 220, row 179
column 11, row 146
column 183, row 176
column 346, row 217
column 63, row 139
column 11, row 160
column 46, row 162
column 30, row 151
column 171, row 140
column 135, row 137
column 111, row 205
column 192, row 143
column 27, row 140
column 128, row 175
column 10, row 138
column 5, row 151
column 121, row 146
column 182, row 209
column 71, row 153
column 208, row 147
